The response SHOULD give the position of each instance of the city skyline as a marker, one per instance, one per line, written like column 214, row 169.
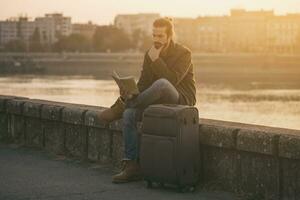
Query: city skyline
column 74, row 9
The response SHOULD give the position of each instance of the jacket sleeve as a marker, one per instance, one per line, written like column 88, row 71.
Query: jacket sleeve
column 175, row 73
column 146, row 77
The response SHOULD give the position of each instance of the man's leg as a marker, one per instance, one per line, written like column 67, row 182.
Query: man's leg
column 130, row 133
column 114, row 112
column 131, row 170
column 161, row 91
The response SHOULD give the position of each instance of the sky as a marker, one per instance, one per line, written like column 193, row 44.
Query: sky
column 104, row 11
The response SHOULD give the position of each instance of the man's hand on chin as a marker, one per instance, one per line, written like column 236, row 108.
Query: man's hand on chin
column 154, row 53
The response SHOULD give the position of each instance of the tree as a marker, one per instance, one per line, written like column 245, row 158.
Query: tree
column 35, row 44
column 146, row 42
column 15, row 46
column 141, row 40
column 73, row 43
column 110, row 38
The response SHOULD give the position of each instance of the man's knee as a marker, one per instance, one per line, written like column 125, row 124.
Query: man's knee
column 163, row 84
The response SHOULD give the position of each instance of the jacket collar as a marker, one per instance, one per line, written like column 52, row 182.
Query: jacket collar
column 168, row 51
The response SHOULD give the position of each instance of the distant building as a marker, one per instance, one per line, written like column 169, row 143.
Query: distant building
column 185, row 31
column 51, row 26
column 283, row 33
column 47, row 30
column 16, row 29
column 86, row 30
column 210, row 34
column 247, row 30
column 258, row 31
column 132, row 22
column 8, row 31
column 242, row 31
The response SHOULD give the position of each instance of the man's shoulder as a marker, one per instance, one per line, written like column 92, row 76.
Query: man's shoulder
column 181, row 49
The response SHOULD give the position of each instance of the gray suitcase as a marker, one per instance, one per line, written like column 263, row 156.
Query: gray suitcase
column 169, row 151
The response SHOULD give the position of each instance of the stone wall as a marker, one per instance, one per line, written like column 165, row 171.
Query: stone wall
column 263, row 162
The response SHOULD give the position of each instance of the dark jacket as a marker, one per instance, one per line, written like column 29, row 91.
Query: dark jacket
column 176, row 66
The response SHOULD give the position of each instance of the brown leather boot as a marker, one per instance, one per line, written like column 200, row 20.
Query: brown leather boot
column 131, row 171
column 114, row 112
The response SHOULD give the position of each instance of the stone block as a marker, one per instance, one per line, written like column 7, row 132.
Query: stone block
column 99, row 144
column 34, row 134
column 259, row 175
column 16, row 129
column 117, row 148
column 289, row 146
column 51, row 112
column 32, row 109
column 76, row 140
column 54, row 136
column 218, row 136
column 73, row 115
column 289, row 153
column 92, row 119
column 15, row 106
column 257, row 141
column 258, row 163
column 116, row 125
column 219, row 167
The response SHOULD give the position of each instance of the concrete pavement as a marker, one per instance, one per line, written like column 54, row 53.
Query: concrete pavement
column 33, row 174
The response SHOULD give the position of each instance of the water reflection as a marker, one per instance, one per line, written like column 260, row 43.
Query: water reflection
column 271, row 107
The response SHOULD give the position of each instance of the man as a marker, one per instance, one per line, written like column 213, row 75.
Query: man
column 166, row 77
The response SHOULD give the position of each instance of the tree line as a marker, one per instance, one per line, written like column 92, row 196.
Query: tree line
column 105, row 39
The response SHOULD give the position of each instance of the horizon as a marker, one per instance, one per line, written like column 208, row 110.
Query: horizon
column 34, row 8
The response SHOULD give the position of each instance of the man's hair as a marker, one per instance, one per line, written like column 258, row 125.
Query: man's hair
column 165, row 22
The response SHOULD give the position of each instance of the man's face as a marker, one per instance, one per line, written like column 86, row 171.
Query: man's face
column 159, row 37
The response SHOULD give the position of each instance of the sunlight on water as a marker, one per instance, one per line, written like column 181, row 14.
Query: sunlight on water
column 270, row 107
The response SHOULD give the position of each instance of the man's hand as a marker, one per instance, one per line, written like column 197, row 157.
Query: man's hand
column 124, row 94
column 154, row 53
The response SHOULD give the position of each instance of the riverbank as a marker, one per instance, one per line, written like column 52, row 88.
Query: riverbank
column 231, row 69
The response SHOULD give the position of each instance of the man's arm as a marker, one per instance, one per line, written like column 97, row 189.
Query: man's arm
column 175, row 73
column 145, row 79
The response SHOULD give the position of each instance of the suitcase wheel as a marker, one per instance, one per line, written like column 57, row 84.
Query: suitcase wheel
column 192, row 189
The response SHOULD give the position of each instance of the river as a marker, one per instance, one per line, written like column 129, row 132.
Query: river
column 277, row 107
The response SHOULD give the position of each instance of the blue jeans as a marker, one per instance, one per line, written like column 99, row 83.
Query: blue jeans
column 161, row 91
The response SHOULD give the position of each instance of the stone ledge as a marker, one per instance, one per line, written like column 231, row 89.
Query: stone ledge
column 15, row 106
column 52, row 112
column 4, row 99
column 257, row 141
column 73, row 115
column 217, row 136
column 289, row 146
column 92, row 119
column 116, row 125
column 32, row 108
